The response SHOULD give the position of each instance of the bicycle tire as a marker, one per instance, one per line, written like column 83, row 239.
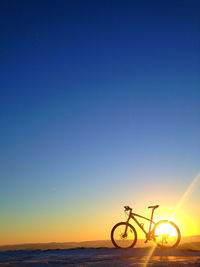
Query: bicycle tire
column 175, row 229
column 134, row 234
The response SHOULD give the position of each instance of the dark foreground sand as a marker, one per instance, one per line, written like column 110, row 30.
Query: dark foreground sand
column 100, row 254
column 100, row 257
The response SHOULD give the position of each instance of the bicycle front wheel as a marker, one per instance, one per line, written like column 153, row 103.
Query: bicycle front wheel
column 166, row 234
column 123, row 235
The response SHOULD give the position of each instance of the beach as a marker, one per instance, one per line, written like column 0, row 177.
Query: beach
column 187, row 254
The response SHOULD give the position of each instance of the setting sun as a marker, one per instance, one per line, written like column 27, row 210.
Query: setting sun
column 167, row 234
column 166, row 229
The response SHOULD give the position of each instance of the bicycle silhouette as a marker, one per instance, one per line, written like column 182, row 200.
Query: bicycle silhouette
column 165, row 233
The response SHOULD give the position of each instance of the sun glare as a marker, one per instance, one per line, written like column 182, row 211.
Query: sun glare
column 165, row 229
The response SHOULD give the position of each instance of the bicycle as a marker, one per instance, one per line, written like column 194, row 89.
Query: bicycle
column 164, row 233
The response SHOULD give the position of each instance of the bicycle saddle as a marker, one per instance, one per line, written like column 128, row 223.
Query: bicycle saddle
column 153, row 207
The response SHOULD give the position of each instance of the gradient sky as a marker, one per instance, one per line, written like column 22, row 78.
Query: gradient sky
column 99, row 108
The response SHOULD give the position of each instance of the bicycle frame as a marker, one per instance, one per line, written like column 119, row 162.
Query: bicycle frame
column 168, row 237
column 133, row 215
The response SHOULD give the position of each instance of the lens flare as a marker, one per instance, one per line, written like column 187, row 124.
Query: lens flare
column 185, row 195
column 178, row 206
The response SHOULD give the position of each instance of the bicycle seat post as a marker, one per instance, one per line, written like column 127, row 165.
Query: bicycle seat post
column 152, row 214
column 153, row 208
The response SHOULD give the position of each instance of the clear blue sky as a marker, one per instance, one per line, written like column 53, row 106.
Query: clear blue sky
column 98, row 98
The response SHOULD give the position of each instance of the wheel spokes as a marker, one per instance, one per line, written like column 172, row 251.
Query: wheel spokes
column 124, row 236
column 166, row 234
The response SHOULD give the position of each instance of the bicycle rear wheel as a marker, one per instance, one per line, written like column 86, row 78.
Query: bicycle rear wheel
column 166, row 234
column 120, row 239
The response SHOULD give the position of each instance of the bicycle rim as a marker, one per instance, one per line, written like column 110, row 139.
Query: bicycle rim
column 166, row 234
column 120, row 239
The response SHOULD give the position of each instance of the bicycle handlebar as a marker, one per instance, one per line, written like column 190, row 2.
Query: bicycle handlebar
column 127, row 208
